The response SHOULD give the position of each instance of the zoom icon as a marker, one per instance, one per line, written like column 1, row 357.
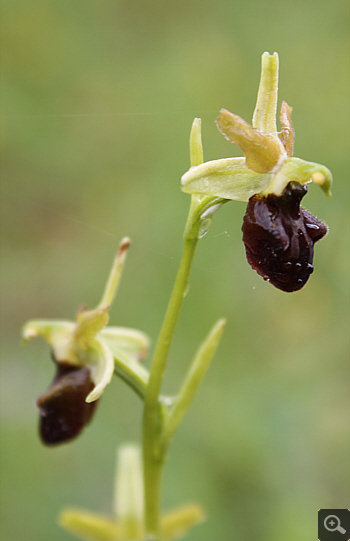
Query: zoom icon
column 334, row 524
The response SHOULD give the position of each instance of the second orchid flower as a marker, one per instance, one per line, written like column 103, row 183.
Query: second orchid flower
column 86, row 353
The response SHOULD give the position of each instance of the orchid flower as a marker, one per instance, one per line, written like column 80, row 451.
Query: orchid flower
column 86, row 353
column 278, row 234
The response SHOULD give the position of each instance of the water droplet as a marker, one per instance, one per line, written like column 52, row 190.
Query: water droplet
column 309, row 268
column 187, row 288
column 204, row 227
column 167, row 400
column 298, row 267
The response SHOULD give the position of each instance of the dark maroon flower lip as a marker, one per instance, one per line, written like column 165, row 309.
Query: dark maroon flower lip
column 63, row 409
column 279, row 237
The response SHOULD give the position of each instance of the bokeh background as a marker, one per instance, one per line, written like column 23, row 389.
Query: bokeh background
column 97, row 104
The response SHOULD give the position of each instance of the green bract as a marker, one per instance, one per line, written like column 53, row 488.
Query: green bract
column 268, row 165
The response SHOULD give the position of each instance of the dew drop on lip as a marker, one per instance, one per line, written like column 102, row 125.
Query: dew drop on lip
column 279, row 237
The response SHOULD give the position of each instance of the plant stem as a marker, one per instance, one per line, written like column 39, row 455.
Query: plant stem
column 153, row 459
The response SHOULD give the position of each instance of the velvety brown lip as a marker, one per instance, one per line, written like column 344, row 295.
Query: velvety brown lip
column 63, row 410
column 279, row 237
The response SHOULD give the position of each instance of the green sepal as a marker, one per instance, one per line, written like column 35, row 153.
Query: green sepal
column 264, row 117
column 49, row 329
column 58, row 333
column 196, row 147
column 227, row 178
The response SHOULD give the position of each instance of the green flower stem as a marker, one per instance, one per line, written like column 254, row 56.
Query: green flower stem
column 153, row 417
column 155, row 412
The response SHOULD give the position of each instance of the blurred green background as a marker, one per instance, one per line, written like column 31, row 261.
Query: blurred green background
column 97, row 104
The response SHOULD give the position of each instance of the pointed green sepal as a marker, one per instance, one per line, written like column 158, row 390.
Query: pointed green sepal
column 58, row 333
column 227, row 178
column 49, row 329
column 264, row 117
column 196, row 148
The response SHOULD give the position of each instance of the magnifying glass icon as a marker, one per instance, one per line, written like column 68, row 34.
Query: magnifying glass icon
column 332, row 524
